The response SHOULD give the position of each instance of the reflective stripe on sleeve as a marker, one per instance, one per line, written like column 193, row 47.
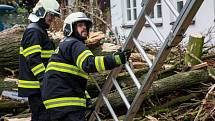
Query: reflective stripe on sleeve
column 65, row 101
column 82, row 57
column 117, row 59
column 99, row 62
column 67, row 68
column 46, row 53
column 28, row 84
column 38, row 69
column 30, row 50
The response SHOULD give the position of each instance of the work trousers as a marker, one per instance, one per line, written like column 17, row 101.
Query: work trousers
column 74, row 116
column 38, row 111
column 66, row 114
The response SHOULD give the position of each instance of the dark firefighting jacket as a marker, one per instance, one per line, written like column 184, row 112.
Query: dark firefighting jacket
column 67, row 72
column 36, row 48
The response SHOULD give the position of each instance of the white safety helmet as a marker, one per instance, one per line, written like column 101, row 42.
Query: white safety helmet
column 71, row 19
column 43, row 7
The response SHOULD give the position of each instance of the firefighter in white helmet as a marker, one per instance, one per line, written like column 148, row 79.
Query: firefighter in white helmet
column 44, row 8
column 35, row 51
column 66, row 75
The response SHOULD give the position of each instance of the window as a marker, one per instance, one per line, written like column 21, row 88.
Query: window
column 131, row 9
column 157, row 12
column 179, row 6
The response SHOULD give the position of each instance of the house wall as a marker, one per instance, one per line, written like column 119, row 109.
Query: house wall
column 204, row 19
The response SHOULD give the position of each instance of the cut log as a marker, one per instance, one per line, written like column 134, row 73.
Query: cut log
column 11, row 106
column 9, row 47
column 200, row 66
column 164, row 86
column 194, row 50
column 18, row 119
column 7, row 86
column 173, row 102
column 124, row 78
column 10, row 44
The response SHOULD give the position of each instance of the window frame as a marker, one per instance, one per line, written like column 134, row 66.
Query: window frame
column 178, row 6
column 158, row 20
column 172, row 16
column 133, row 10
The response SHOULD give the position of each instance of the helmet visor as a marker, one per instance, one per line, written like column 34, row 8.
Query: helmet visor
column 55, row 14
column 41, row 12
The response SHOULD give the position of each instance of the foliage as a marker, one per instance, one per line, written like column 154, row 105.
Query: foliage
column 21, row 10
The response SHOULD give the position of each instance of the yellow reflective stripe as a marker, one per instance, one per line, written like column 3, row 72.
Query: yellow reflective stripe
column 117, row 59
column 21, row 50
column 82, row 57
column 37, row 69
column 87, row 94
column 64, row 101
column 67, row 68
column 28, row 84
column 46, row 53
column 99, row 62
column 31, row 50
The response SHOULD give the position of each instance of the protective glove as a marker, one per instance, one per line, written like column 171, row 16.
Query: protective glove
column 122, row 56
column 89, row 105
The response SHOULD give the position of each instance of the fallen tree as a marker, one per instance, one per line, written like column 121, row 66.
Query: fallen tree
column 10, row 44
column 12, row 106
column 124, row 79
column 9, row 47
column 164, row 86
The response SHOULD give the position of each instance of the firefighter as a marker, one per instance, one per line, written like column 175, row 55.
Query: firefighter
column 36, row 48
column 66, row 75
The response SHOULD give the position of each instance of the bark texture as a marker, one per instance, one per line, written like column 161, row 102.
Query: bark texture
column 194, row 48
column 9, row 47
column 160, row 87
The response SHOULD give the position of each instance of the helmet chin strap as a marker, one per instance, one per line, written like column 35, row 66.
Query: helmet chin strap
column 43, row 23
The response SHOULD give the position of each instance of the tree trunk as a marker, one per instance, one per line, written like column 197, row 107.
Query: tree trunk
column 164, row 86
column 194, row 49
column 123, row 79
column 11, row 106
column 9, row 47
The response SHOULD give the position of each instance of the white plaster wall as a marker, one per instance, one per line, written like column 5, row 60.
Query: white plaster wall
column 204, row 19
column 116, row 14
